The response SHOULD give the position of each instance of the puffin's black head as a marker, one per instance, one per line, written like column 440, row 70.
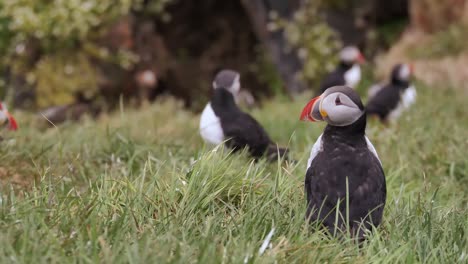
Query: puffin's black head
column 229, row 80
column 401, row 73
column 351, row 55
column 338, row 106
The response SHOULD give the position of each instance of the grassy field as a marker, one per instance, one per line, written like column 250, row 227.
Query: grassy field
column 140, row 187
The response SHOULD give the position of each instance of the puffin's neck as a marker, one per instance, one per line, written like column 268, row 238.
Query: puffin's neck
column 223, row 102
column 400, row 83
column 345, row 66
column 351, row 133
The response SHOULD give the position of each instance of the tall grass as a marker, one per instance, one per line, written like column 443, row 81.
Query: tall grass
column 141, row 187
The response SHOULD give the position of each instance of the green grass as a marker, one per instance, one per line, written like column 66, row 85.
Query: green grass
column 140, row 187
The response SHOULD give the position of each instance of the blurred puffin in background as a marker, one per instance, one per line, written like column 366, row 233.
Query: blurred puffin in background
column 387, row 102
column 343, row 164
column 6, row 119
column 223, row 121
column 348, row 71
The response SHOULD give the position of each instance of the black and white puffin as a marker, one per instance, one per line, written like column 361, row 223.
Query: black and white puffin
column 348, row 71
column 389, row 101
column 6, row 119
column 223, row 121
column 343, row 164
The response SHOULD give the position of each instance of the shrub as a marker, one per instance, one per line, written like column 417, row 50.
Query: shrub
column 41, row 40
column 315, row 41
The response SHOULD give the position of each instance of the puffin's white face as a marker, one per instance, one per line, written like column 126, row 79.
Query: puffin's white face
column 233, row 89
column 404, row 72
column 351, row 55
column 334, row 106
column 339, row 110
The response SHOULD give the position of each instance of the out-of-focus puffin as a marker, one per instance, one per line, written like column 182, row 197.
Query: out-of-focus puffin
column 348, row 71
column 390, row 100
column 343, row 168
column 6, row 119
column 223, row 121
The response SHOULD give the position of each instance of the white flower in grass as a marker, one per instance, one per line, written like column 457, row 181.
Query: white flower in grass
column 266, row 242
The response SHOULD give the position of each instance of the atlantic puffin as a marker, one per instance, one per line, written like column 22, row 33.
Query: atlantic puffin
column 348, row 71
column 390, row 100
column 6, row 119
column 343, row 164
column 223, row 121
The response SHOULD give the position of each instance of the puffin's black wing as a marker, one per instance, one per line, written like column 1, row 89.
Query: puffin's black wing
column 383, row 102
column 332, row 79
column 242, row 131
column 325, row 184
column 370, row 194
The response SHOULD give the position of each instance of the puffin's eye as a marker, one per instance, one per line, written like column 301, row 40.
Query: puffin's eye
column 338, row 100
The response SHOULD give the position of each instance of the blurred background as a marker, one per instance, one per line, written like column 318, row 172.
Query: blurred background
column 86, row 56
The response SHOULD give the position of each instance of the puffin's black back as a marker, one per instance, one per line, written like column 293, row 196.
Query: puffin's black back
column 346, row 157
column 387, row 99
column 335, row 78
column 384, row 101
column 240, row 128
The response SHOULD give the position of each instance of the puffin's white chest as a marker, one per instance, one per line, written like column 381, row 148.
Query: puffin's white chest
column 374, row 89
column 408, row 97
column 372, row 149
column 353, row 76
column 210, row 126
column 316, row 149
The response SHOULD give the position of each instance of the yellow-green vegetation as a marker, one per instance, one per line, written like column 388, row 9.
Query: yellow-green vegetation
column 266, row 71
column 59, row 78
column 55, row 23
column 52, row 43
column 141, row 187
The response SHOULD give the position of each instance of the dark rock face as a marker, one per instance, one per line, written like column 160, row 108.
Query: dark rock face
column 181, row 55
column 201, row 38
column 355, row 18
column 285, row 59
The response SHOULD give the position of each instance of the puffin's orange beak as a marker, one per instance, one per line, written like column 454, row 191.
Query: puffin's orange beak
column 361, row 59
column 12, row 122
column 311, row 111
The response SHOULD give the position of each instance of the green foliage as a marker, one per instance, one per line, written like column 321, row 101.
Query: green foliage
column 60, row 23
column 63, row 34
column 389, row 32
column 267, row 72
column 317, row 44
column 141, row 187
column 60, row 78
column 152, row 7
column 337, row 4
